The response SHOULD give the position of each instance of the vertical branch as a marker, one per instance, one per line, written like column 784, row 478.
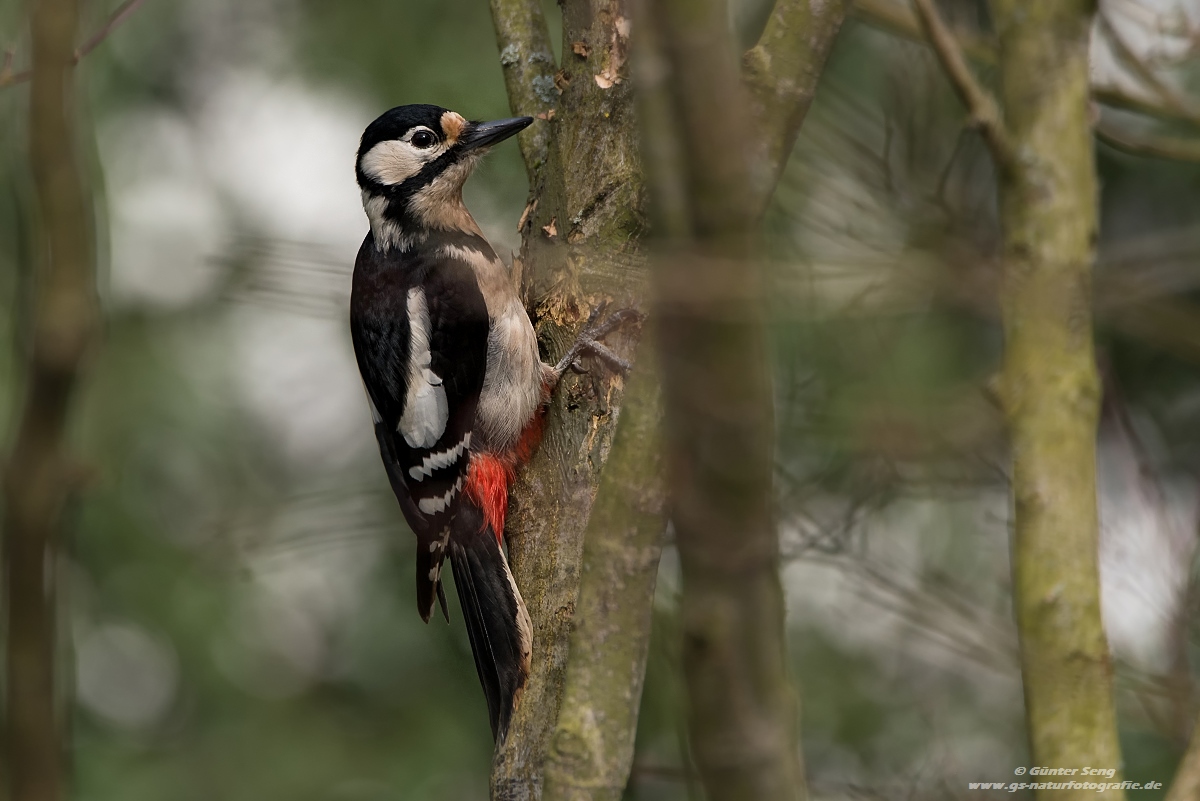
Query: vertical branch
column 580, row 248
column 1049, row 384
column 591, row 752
column 528, row 65
column 719, row 417
column 782, row 72
column 37, row 479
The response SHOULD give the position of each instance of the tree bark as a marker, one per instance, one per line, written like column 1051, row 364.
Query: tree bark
column 37, row 477
column 527, row 61
column 782, row 71
column 584, row 168
column 1049, row 386
column 742, row 717
column 580, row 249
column 591, row 753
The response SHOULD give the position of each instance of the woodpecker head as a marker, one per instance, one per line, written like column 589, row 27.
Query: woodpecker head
column 412, row 164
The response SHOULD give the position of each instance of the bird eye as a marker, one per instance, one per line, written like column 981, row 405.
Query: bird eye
column 422, row 139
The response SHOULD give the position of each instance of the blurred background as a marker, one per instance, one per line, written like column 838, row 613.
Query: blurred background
column 241, row 622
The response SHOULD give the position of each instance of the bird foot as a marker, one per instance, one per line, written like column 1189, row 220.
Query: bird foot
column 588, row 342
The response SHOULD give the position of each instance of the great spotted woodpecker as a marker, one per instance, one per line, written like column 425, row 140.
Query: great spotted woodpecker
column 451, row 367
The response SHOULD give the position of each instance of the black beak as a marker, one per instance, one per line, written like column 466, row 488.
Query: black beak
column 482, row 134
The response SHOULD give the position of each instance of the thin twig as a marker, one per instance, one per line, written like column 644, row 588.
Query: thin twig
column 114, row 21
column 983, row 108
column 1178, row 105
column 1147, row 144
column 898, row 18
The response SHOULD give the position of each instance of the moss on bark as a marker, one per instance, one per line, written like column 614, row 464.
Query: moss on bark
column 1049, row 385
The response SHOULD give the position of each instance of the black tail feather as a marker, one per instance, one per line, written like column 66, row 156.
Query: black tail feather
column 429, row 580
column 497, row 623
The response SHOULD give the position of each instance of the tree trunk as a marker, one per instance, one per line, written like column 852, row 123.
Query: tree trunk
column 743, row 715
column 37, row 477
column 1050, row 388
column 587, row 189
column 580, row 249
column 591, row 753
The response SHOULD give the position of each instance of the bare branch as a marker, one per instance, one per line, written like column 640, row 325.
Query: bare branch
column 1114, row 96
column 38, row 478
column 782, row 71
column 1177, row 105
column 984, row 111
column 899, row 19
column 528, row 65
column 114, row 21
column 1151, row 145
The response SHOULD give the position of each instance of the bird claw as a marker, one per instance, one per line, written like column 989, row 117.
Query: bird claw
column 588, row 341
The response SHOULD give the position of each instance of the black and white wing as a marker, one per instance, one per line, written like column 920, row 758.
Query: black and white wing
column 420, row 335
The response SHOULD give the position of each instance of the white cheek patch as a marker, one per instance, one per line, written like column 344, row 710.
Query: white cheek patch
column 394, row 162
column 426, row 409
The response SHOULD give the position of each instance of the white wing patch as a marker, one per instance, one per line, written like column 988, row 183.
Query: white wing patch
column 432, row 506
column 425, row 409
column 441, row 459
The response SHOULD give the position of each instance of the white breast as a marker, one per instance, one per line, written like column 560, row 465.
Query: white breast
column 512, row 385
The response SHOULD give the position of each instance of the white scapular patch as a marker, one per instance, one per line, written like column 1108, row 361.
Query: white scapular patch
column 441, row 459
column 433, row 546
column 432, row 506
column 425, row 409
column 434, row 572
